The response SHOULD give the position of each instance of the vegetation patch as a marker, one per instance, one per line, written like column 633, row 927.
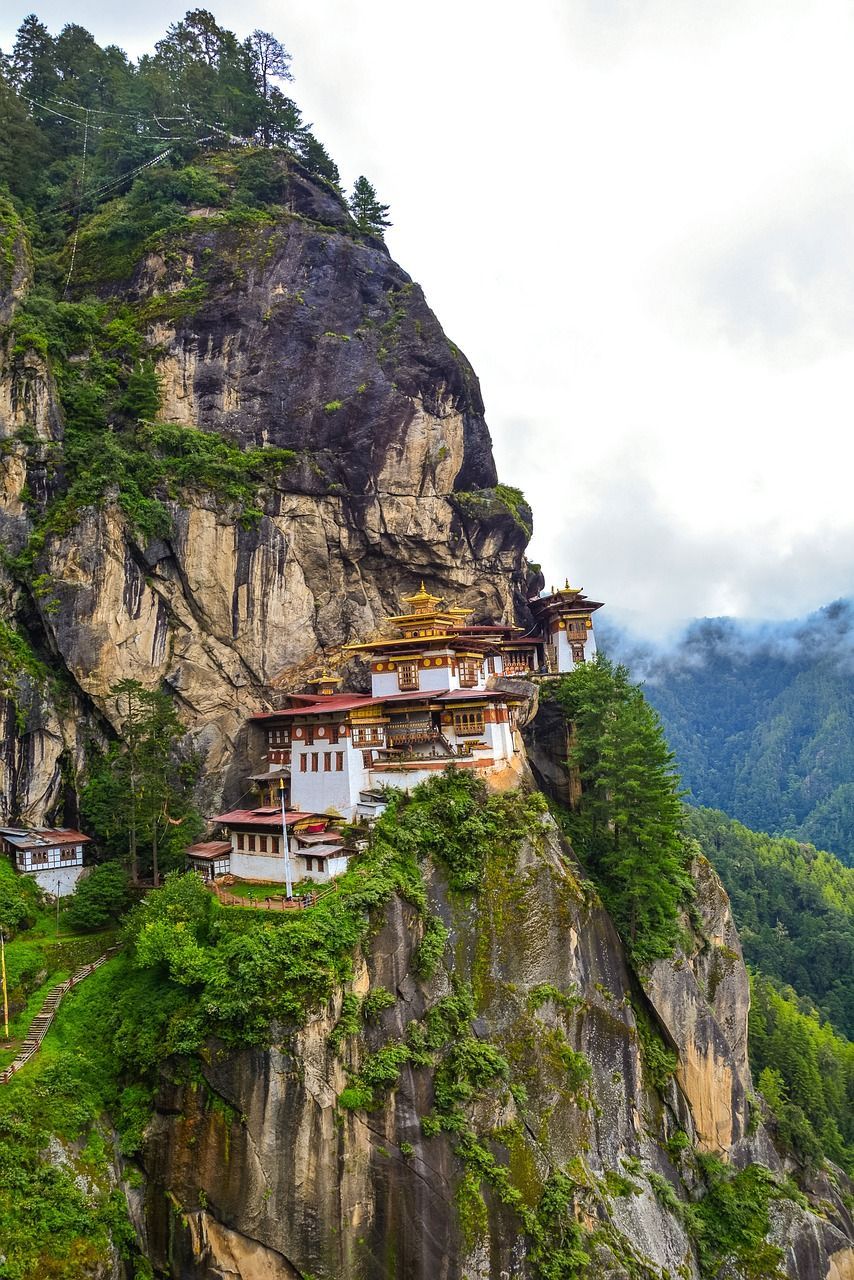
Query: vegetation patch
column 488, row 504
column 805, row 1072
column 627, row 825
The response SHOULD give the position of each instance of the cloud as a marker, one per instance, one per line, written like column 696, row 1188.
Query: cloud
column 783, row 280
column 629, row 550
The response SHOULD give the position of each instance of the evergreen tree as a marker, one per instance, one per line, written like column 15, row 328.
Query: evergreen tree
column 627, row 822
column 269, row 60
column 283, row 125
column 31, row 67
column 23, row 147
column 138, row 792
column 318, row 160
column 369, row 214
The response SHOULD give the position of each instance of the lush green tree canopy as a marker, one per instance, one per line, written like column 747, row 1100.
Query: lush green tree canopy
column 627, row 826
column 794, row 907
column 138, row 796
column 369, row 213
column 100, row 898
column 805, row 1071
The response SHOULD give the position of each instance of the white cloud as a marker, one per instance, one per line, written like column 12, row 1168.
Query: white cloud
column 633, row 217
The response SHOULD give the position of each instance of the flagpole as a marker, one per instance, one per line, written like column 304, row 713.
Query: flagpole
column 289, row 888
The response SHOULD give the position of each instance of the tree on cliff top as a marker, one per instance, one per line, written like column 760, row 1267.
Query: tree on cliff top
column 369, row 214
column 627, row 822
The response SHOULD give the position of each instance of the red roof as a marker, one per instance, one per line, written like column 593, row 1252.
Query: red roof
column 209, row 849
column 317, row 703
column 44, row 835
column 493, row 695
column 350, row 702
column 261, row 817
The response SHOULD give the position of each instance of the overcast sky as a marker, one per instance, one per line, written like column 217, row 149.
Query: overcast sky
column 635, row 217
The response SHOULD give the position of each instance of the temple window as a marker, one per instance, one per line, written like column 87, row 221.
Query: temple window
column 468, row 723
column 407, row 675
column 339, row 761
column 240, row 840
column 250, row 843
column 315, row 761
column 469, row 672
column 367, row 737
column 577, row 652
column 327, row 761
column 303, row 763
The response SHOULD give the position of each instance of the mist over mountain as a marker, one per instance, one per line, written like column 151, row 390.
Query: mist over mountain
column 761, row 718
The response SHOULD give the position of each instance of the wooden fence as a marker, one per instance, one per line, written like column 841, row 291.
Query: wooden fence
column 273, row 901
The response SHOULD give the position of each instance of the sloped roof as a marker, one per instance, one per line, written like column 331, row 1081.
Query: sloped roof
column 42, row 837
column 209, row 849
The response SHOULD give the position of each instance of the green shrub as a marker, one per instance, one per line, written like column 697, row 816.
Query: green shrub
column 377, row 999
column 100, row 898
column 430, row 949
column 731, row 1222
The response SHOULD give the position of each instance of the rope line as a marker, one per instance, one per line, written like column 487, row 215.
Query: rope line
column 79, row 207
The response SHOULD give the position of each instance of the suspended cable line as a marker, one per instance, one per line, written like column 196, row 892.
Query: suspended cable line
column 79, row 207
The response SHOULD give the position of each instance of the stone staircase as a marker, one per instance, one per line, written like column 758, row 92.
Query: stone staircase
column 41, row 1022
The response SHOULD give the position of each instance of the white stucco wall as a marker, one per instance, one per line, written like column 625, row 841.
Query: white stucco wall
column 317, row 792
column 384, row 683
column 259, row 866
column 437, row 678
column 333, row 867
column 66, row 877
column 500, row 739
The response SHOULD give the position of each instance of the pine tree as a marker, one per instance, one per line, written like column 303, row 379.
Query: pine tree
column 137, row 792
column 282, row 124
column 318, row 160
column 269, row 60
column 31, row 66
column 627, row 823
column 369, row 214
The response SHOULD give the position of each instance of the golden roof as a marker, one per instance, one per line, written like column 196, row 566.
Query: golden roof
column 421, row 600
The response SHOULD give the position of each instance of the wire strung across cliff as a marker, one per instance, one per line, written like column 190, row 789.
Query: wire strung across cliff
column 215, row 133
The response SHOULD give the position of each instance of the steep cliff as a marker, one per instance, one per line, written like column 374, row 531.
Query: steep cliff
column 226, row 453
column 556, row 1096
column 282, row 328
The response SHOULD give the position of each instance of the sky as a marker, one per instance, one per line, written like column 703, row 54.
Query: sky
column 635, row 217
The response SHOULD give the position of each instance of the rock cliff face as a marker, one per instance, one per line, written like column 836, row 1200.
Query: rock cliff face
column 292, row 332
column 252, row 1171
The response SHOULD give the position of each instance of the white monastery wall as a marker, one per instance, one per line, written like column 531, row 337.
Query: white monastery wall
column 59, row 882
column 316, row 791
column 384, row 683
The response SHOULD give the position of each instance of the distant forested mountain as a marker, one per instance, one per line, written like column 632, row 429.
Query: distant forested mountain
column 794, row 907
column 761, row 718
